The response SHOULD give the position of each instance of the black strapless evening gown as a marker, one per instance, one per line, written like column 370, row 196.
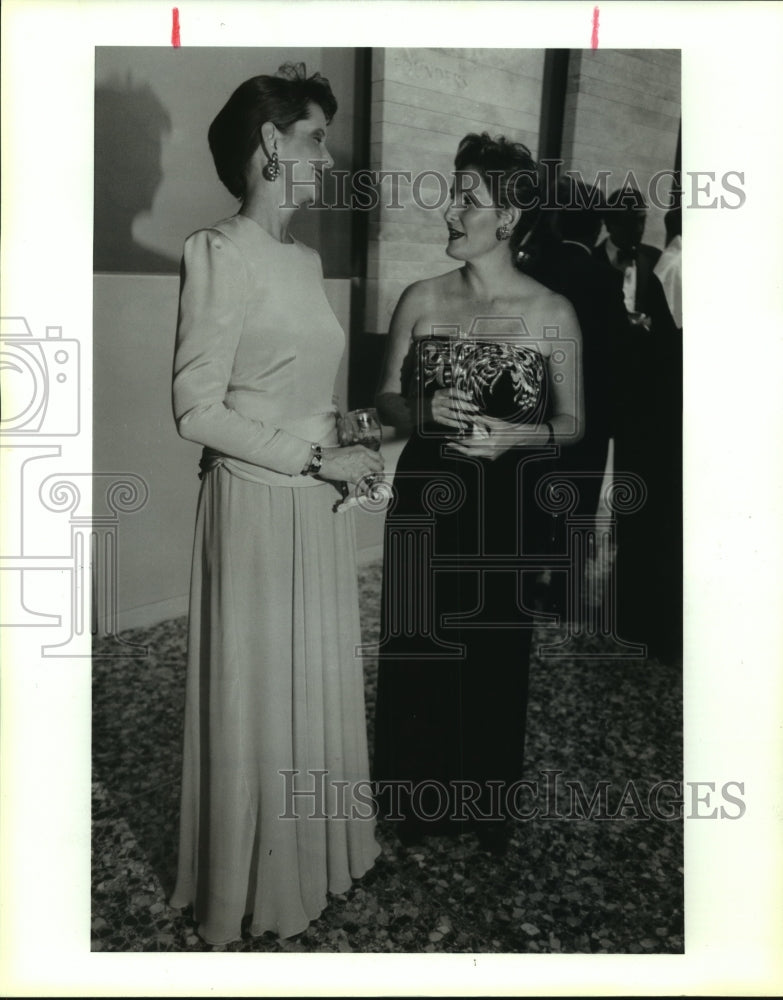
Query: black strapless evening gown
column 456, row 620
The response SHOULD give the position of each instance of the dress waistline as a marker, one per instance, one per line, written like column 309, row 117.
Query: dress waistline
column 321, row 428
column 211, row 460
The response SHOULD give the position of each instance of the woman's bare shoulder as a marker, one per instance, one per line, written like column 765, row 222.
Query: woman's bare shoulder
column 551, row 307
column 563, row 314
column 428, row 291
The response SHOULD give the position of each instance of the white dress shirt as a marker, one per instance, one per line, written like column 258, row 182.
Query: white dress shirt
column 629, row 275
column 668, row 270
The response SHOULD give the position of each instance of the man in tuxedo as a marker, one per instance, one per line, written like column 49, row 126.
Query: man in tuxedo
column 571, row 269
column 625, row 217
column 647, row 436
column 567, row 266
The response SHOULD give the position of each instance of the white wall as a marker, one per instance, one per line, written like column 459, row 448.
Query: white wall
column 156, row 181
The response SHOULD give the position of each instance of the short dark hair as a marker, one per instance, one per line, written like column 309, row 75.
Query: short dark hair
column 283, row 99
column 510, row 173
column 579, row 208
column 629, row 199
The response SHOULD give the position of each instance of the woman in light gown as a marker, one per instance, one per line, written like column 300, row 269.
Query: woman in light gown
column 275, row 692
column 484, row 347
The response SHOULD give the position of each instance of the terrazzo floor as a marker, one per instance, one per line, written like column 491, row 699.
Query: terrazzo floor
column 566, row 885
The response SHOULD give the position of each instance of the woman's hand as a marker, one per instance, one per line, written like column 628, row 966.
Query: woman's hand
column 453, row 408
column 491, row 438
column 350, row 464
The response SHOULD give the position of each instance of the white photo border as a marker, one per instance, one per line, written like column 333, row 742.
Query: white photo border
column 732, row 76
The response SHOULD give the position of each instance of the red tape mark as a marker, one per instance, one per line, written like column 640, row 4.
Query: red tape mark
column 175, row 27
column 594, row 39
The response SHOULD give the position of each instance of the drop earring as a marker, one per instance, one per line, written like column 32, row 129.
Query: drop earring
column 271, row 170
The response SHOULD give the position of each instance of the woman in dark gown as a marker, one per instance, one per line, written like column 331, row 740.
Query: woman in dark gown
column 477, row 359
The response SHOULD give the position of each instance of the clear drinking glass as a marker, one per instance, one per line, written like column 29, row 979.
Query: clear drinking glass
column 359, row 427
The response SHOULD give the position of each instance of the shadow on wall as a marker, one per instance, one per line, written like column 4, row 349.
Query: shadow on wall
column 130, row 124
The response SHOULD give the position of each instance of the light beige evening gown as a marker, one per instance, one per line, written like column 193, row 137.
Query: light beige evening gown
column 275, row 689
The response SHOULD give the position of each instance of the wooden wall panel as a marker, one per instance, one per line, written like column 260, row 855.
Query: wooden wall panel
column 424, row 101
column 622, row 113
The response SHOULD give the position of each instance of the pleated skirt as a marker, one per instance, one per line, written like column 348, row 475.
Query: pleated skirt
column 275, row 809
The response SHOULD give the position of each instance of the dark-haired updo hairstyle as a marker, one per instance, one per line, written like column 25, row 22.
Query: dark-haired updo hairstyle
column 283, row 99
column 513, row 179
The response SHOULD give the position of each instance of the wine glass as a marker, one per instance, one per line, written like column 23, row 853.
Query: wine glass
column 360, row 427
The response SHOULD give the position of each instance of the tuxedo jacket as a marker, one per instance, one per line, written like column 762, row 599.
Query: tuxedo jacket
column 650, row 297
column 592, row 288
column 648, row 378
column 648, row 446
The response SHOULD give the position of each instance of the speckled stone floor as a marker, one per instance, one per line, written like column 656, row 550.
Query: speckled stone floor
column 607, row 881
